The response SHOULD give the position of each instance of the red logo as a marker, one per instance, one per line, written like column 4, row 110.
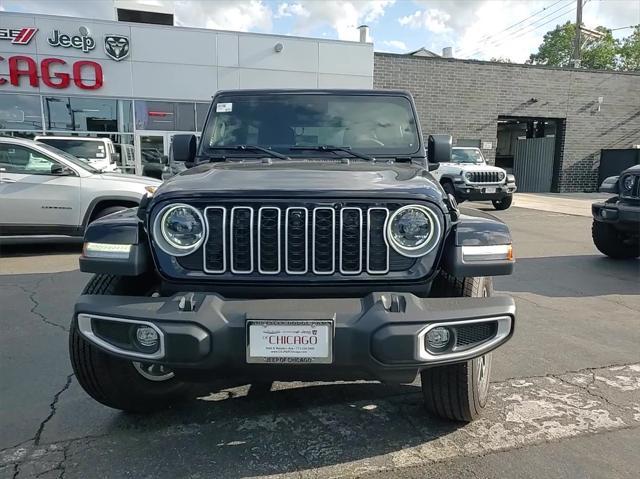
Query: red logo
column 18, row 36
column 54, row 73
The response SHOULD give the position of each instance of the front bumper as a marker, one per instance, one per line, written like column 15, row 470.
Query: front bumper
column 623, row 215
column 379, row 336
column 471, row 192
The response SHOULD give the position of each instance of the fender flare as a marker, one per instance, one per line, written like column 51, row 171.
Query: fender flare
column 450, row 177
column 94, row 202
column 477, row 229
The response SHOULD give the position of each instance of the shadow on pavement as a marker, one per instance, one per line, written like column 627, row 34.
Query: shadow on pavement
column 242, row 434
column 573, row 276
column 12, row 250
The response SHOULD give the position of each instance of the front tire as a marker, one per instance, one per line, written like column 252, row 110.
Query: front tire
column 612, row 243
column 503, row 204
column 120, row 383
column 458, row 392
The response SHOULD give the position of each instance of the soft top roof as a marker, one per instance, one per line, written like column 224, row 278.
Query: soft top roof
column 314, row 91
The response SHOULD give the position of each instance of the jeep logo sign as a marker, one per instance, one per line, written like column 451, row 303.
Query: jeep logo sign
column 116, row 47
column 82, row 42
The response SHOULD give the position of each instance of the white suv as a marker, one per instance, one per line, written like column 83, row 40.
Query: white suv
column 45, row 191
column 469, row 177
column 98, row 152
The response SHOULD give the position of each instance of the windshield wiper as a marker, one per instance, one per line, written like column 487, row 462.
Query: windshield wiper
column 273, row 154
column 346, row 149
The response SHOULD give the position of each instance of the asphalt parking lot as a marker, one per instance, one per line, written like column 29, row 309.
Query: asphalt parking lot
column 565, row 392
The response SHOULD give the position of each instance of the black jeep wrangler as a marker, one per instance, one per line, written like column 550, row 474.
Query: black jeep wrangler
column 616, row 222
column 307, row 240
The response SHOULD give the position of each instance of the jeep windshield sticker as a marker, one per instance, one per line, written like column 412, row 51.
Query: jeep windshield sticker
column 224, row 107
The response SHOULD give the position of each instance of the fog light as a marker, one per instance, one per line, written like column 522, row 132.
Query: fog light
column 147, row 337
column 438, row 338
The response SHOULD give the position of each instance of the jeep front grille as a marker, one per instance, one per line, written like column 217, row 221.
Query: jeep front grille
column 297, row 240
column 484, row 177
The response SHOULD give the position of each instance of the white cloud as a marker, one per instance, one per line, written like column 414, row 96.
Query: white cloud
column 343, row 16
column 476, row 28
column 396, row 45
column 434, row 20
column 239, row 15
column 291, row 9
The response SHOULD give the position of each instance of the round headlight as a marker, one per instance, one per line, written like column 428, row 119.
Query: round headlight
column 501, row 175
column 627, row 183
column 413, row 230
column 179, row 229
column 467, row 175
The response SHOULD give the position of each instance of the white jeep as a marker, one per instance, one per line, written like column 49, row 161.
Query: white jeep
column 97, row 152
column 469, row 177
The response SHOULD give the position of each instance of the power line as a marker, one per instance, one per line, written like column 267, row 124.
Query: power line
column 528, row 28
column 487, row 37
column 623, row 28
column 525, row 30
column 496, row 36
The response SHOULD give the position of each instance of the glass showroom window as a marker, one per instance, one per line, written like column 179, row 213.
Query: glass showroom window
column 201, row 115
column 20, row 112
column 165, row 116
column 80, row 114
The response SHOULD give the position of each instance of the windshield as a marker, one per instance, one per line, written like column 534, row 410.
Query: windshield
column 375, row 124
column 78, row 148
column 76, row 161
column 470, row 155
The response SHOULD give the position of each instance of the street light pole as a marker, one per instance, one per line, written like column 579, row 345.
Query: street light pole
column 578, row 39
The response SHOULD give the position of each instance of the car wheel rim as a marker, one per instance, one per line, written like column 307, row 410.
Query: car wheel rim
column 482, row 368
column 153, row 372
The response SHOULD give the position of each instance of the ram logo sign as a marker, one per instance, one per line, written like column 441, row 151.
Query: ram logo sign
column 116, row 47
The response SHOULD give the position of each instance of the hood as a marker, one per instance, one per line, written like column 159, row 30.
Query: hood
column 312, row 177
column 473, row 166
column 140, row 180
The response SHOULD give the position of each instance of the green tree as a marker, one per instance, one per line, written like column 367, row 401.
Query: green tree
column 557, row 47
column 630, row 51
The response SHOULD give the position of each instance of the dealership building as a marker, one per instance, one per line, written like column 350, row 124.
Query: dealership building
column 142, row 83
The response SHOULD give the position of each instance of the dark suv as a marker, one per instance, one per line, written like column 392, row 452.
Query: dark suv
column 616, row 222
column 307, row 240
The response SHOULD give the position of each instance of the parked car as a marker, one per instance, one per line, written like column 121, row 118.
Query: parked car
column 467, row 176
column 46, row 191
column 616, row 222
column 310, row 243
column 98, row 152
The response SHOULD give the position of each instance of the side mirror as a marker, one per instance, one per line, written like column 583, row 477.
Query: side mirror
column 164, row 160
column 184, row 148
column 439, row 148
column 60, row 170
column 609, row 185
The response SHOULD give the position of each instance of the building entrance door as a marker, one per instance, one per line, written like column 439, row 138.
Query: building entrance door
column 151, row 147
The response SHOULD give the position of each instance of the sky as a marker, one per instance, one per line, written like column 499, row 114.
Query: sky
column 481, row 29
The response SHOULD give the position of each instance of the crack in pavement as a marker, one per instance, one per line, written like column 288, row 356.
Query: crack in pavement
column 52, row 410
column 36, row 304
column 588, row 390
column 523, row 412
column 590, row 369
column 60, row 466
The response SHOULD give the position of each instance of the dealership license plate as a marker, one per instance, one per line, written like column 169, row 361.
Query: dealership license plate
column 489, row 190
column 289, row 342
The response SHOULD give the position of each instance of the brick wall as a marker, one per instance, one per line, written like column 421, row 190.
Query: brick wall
column 464, row 98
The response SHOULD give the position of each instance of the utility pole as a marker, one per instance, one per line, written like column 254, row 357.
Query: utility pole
column 578, row 39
